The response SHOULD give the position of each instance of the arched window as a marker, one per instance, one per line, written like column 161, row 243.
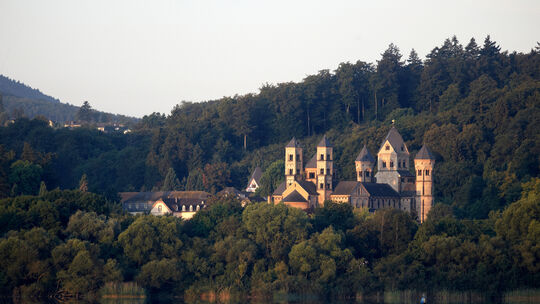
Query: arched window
column 384, row 164
column 190, row 207
column 184, row 208
column 159, row 208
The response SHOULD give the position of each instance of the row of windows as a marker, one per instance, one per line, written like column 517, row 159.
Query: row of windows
column 321, row 186
column 291, row 171
column 297, row 157
column 388, row 148
column 426, row 172
column 322, row 157
column 366, row 173
column 328, row 172
column 402, row 164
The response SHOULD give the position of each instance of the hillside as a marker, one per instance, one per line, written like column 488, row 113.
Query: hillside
column 20, row 99
column 476, row 107
column 10, row 87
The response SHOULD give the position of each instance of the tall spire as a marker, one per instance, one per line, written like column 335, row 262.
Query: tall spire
column 293, row 143
column 324, row 142
column 424, row 153
column 365, row 155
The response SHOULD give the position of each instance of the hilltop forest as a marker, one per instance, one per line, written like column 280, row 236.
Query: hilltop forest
column 475, row 106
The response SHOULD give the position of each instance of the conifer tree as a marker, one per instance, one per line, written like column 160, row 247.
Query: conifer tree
column 42, row 189
column 83, row 183
column 171, row 182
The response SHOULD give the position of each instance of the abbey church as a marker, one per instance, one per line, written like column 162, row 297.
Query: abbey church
column 393, row 186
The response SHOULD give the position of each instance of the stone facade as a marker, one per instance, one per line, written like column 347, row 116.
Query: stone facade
column 393, row 186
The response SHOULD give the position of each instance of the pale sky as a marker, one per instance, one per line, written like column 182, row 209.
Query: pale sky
column 137, row 57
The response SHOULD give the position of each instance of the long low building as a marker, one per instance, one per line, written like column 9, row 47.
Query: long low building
column 182, row 204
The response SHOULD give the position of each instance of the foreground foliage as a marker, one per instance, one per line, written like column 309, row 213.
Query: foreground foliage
column 74, row 243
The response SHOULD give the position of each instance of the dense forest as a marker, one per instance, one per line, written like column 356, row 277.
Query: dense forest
column 72, row 243
column 475, row 106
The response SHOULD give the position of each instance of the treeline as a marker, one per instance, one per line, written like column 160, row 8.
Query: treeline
column 72, row 243
column 475, row 106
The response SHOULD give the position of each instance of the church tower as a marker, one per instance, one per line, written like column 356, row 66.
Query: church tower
column 325, row 169
column 364, row 166
column 293, row 161
column 423, row 163
column 393, row 160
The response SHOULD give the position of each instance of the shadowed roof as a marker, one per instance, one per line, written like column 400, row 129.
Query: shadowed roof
column 324, row 142
column 279, row 190
column 256, row 175
column 154, row 196
column 309, row 187
column 294, row 197
column 365, row 155
column 312, row 162
column 345, row 188
column 380, row 190
column 405, row 173
column 293, row 143
column 424, row 153
column 394, row 138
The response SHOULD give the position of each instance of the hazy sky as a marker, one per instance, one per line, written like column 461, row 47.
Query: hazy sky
column 138, row 57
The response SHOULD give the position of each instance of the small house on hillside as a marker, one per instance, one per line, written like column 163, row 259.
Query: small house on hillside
column 254, row 180
column 182, row 204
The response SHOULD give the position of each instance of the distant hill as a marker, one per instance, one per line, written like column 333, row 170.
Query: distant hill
column 10, row 87
column 20, row 99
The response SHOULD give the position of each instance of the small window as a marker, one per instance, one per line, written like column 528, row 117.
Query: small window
column 359, row 174
column 391, row 164
column 402, row 148
column 387, row 147
column 297, row 171
column 328, row 157
column 322, row 156
column 399, row 164
column 327, row 186
column 321, row 186
column 290, row 172
column 322, row 170
column 159, row 208
column 290, row 157
column 190, row 207
column 419, row 172
column 384, row 164
column 311, row 175
column 427, row 172
column 328, row 172
column 297, row 157
column 367, row 173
